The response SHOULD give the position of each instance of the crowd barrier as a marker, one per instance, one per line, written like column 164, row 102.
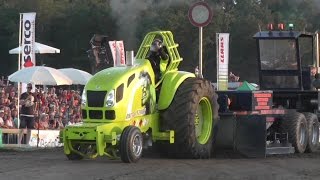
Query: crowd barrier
column 29, row 138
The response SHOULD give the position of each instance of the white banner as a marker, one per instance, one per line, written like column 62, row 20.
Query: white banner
column 28, row 39
column 47, row 138
column 118, row 54
column 222, row 60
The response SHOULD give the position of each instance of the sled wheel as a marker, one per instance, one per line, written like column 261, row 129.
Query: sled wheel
column 295, row 124
column 131, row 144
column 313, row 132
column 192, row 115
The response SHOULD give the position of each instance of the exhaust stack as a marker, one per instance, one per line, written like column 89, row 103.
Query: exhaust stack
column 129, row 58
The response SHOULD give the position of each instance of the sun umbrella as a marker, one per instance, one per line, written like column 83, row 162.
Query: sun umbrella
column 39, row 48
column 76, row 75
column 40, row 75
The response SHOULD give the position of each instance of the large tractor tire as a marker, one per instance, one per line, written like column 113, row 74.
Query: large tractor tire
column 131, row 144
column 295, row 124
column 192, row 115
column 313, row 132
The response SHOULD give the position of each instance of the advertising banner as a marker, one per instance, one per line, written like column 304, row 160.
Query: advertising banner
column 118, row 54
column 28, row 39
column 47, row 138
column 222, row 60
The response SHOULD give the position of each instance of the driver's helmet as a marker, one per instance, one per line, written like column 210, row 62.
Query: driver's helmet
column 156, row 45
column 98, row 41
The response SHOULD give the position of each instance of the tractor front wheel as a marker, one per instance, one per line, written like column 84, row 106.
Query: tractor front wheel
column 131, row 144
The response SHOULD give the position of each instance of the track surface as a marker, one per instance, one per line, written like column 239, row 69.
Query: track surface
column 51, row 164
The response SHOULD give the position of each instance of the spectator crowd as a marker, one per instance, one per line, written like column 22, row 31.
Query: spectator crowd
column 53, row 108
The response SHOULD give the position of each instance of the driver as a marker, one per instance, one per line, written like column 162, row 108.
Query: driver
column 158, row 58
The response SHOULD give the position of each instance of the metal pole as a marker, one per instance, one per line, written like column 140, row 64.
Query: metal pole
column 20, row 44
column 19, row 58
column 217, row 60
column 200, row 52
column 317, row 50
column 38, row 108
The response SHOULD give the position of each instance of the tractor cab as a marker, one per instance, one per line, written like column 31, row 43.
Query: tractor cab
column 170, row 48
column 285, row 59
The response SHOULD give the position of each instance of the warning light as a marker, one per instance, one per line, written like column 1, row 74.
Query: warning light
column 290, row 26
column 281, row 26
column 270, row 26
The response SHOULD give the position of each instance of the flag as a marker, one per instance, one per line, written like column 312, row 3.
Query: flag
column 27, row 39
column 118, row 54
column 222, row 60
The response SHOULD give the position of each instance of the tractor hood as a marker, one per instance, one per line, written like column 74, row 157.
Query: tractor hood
column 113, row 77
column 117, row 93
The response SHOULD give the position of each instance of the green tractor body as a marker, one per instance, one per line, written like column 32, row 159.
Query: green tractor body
column 124, row 110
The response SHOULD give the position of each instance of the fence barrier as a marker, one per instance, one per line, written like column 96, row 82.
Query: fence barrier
column 29, row 138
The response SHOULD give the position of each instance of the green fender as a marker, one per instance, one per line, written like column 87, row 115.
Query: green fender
column 170, row 84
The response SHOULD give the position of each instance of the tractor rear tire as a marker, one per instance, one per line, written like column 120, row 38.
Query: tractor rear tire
column 192, row 115
column 313, row 132
column 295, row 124
column 131, row 144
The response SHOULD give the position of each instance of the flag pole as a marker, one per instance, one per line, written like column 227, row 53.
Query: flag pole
column 19, row 64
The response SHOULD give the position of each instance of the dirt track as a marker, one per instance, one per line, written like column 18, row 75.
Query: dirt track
column 53, row 165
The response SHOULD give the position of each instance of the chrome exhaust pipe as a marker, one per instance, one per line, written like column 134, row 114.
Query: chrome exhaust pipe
column 129, row 58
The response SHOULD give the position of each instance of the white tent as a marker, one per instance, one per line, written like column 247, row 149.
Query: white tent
column 40, row 75
column 76, row 75
column 39, row 48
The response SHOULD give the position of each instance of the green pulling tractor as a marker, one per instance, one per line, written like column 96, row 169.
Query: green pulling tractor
column 125, row 111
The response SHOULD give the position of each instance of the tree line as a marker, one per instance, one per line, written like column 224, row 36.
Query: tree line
column 70, row 24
